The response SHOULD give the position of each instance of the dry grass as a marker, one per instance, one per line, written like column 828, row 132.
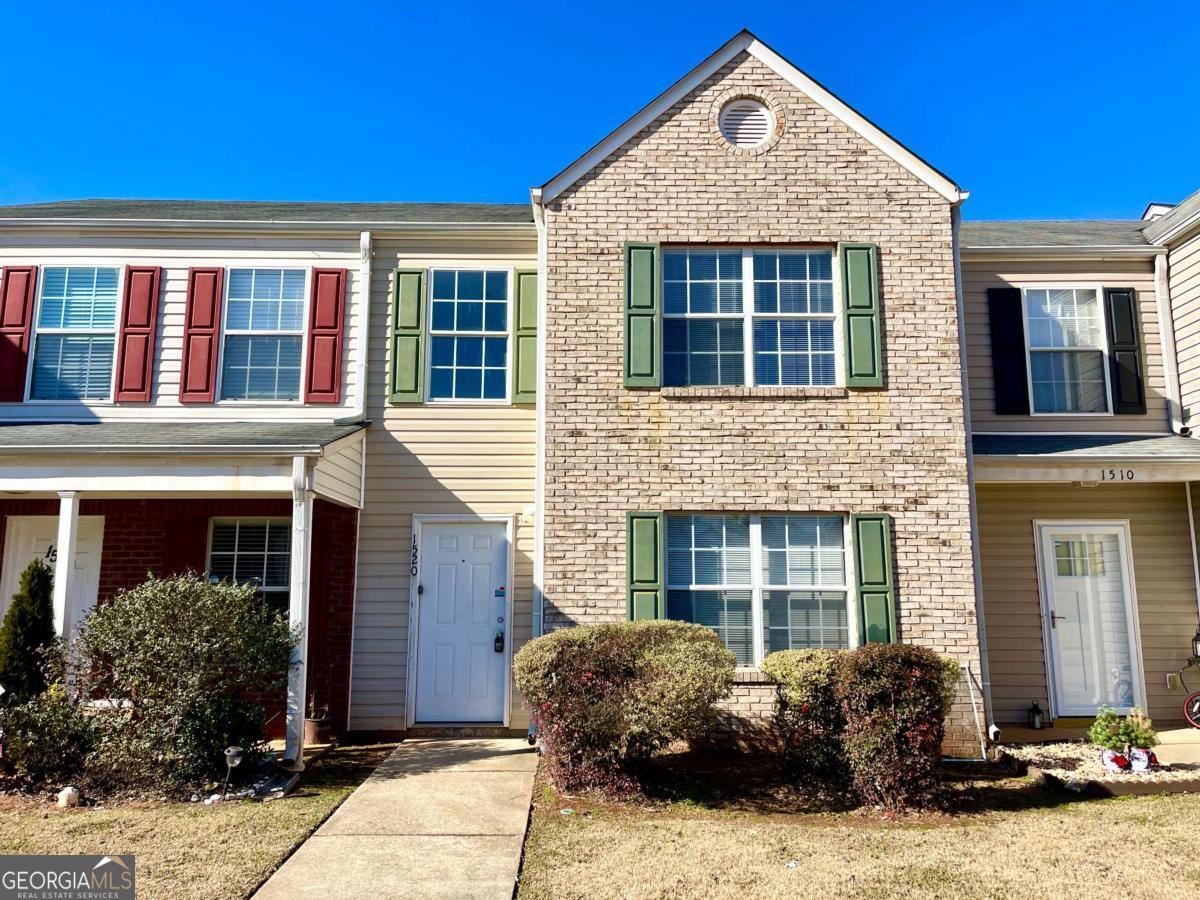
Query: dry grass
column 999, row 837
column 188, row 851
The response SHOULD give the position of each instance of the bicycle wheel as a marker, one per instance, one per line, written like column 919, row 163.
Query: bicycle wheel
column 1191, row 710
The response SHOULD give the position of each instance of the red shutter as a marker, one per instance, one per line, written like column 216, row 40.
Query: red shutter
column 201, row 332
column 135, row 340
column 17, row 290
column 326, row 325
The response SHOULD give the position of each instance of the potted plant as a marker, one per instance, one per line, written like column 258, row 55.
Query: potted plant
column 317, row 724
column 1125, row 742
column 1140, row 737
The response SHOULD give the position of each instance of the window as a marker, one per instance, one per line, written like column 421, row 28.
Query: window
column 264, row 334
column 763, row 583
column 1067, row 350
column 253, row 551
column 75, row 334
column 785, row 336
column 468, row 335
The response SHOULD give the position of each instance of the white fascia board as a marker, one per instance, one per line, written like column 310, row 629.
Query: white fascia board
column 1053, row 252
column 411, row 229
column 175, row 451
column 786, row 70
column 148, row 481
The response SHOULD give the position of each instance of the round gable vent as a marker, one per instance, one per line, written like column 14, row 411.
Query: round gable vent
column 746, row 123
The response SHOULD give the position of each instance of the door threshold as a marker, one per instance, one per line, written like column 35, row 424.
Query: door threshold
column 459, row 730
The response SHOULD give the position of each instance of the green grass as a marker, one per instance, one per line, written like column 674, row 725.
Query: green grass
column 187, row 850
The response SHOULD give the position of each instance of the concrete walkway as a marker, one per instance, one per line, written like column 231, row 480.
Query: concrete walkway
column 439, row 818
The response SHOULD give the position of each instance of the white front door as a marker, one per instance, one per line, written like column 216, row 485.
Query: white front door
column 30, row 536
column 462, row 623
column 1087, row 575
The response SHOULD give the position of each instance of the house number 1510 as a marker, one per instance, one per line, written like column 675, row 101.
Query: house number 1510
column 1116, row 474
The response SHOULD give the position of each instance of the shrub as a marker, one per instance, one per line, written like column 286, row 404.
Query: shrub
column 605, row 697
column 895, row 698
column 187, row 665
column 46, row 737
column 807, row 712
column 27, row 635
column 1112, row 732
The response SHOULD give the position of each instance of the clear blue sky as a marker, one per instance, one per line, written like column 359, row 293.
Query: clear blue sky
column 1040, row 109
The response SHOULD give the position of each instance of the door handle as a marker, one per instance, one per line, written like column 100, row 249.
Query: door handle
column 499, row 642
column 1054, row 618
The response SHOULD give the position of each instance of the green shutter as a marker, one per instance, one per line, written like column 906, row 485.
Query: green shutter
column 643, row 315
column 860, row 311
column 408, row 335
column 644, row 565
column 874, row 577
column 524, row 387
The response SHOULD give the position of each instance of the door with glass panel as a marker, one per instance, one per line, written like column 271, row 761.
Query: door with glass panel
column 1088, row 607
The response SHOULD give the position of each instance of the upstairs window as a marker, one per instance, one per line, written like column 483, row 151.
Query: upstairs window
column 264, row 334
column 253, row 551
column 75, row 334
column 1068, row 350
column 785, row 335
column 468, row 335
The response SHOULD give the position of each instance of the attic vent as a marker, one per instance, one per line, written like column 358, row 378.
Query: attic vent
column 746, row 123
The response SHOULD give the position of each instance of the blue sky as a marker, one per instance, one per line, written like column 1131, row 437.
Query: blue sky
column 1040, row 109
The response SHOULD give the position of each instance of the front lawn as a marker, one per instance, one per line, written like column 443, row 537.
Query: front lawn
column 187, row 850
column 712, row 830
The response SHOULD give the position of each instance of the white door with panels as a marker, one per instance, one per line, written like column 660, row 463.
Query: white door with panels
column 1088, row 603
column 462, row 623
column 30, row 536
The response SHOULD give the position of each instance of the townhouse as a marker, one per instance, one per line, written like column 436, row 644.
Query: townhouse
column 741, row 363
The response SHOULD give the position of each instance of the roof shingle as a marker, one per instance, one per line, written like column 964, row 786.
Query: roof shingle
column 1053, row 233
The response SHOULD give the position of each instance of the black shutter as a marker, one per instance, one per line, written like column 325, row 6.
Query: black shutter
column 1010, row 378
column 1129, row 391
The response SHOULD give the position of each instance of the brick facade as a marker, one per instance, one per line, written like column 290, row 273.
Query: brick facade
column 165, row 537
column 611, row 449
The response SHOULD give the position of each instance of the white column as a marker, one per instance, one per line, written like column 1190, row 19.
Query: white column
column 64, row 558
column 302, row 505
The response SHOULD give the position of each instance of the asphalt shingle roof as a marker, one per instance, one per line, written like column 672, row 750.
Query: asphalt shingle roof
column 255, row 211
column 1071, row 446
column 1053, row 233
column 195, row 437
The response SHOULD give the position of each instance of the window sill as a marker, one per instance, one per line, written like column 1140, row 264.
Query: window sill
column 761, row 392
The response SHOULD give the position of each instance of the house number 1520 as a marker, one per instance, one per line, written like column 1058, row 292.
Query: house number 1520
column 1116, row 474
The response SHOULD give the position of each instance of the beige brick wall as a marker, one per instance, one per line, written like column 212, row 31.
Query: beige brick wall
column 610, row 449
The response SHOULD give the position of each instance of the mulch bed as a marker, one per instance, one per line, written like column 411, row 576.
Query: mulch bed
column 1075, row 766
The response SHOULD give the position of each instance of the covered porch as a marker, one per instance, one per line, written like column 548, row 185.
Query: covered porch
column 271, row 504
column 1087, row 552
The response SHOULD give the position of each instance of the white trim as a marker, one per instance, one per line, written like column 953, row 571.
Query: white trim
column 409, row 229
column 745, row 41
column 539, row 476
column 1166, row 332
column 68, row 533
column 420, row 519
column 1104, row 349
column 510, row 274
column 1120, row 527
column 298, row 606
column 1099, row 251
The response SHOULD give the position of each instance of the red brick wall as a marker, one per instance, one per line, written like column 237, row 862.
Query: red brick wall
column 166, row 537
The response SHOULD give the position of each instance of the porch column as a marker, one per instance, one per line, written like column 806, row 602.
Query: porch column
column 302, row 508
column 64, row 558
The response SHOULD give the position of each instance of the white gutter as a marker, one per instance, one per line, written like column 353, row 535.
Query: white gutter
column 363, row 334
column 417, row 228
column 1166, row 325
column 1041, row 251
column 169, row 449
column 973, row 504
column 539, row 483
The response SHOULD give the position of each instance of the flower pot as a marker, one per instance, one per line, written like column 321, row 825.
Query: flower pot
column 317, row 731
column 1114, row 761
column 1142, row 760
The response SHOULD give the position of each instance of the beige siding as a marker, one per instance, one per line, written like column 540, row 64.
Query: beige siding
column 1163, row 582
column 338, row 475
column 430, row 459
column 176, row 254
column 1184, row 274
column 980, row 274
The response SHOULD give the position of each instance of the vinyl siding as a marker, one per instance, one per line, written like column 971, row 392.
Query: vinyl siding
column 979, row 275
column 1183, row 264
column 1162, row 574
column 431, row 459
column 338, row 476
column 176, row 254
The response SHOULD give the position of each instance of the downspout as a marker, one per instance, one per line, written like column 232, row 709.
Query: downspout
column 539, row 483
column 362, row 335
column 984, row 670
column 1166, row 326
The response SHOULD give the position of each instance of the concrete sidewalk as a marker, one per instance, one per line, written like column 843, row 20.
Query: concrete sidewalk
column 439, row 818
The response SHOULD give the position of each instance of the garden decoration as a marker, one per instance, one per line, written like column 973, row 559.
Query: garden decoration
column 1126, row 743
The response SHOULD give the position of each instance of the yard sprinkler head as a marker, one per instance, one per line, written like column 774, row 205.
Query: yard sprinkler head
column 233, row 759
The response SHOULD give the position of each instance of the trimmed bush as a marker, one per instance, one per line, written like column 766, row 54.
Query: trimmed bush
column 47, row 738
column 895, row 698
column 807, row 712
column 27, row 635
column 605, row 697
column 186, row 665
column 1121, row 734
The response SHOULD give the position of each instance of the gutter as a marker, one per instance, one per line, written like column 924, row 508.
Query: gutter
column 1042, row 251
column 1166, row 325
column 169, row 449
column 359, row 413
column 417, row 228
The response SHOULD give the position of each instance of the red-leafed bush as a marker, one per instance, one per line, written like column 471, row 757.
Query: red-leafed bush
column 894, row 698
column 605, row 697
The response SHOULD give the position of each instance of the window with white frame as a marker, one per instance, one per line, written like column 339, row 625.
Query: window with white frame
column 785, row 334
column 762, row 583
column 468, row 335
column 1068, row 350
column 264, row 334
column 75, row 333
column 253, row 551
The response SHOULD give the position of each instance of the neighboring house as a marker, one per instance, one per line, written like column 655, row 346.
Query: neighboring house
column 741, row 363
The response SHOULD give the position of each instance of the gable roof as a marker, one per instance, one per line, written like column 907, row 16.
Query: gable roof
column 1093, row 234
column 744, row 40
column 1175, row 222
